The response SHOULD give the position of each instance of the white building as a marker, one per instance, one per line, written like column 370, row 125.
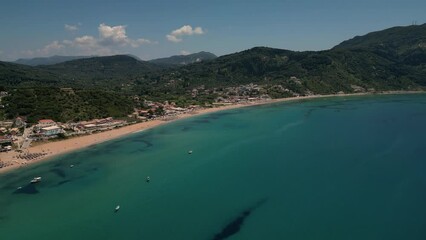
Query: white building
column 50, row 131
column 46, row 123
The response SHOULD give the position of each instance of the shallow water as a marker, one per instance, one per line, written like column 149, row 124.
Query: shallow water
column 335, row 168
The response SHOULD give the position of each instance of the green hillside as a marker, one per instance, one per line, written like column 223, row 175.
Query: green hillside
column 392, row 59
column 16, row 75
column 47, row 60
column 101, row 71
column 180, row 60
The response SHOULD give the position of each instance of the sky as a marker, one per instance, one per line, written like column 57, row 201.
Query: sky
column 152, row 29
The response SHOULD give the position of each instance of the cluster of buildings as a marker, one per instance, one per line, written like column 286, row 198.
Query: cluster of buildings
column 95, row 125
column 152, row 110
column 47, row 128
column 241, row 94
column 10, row 131
column 17, row 133
column 245, row 93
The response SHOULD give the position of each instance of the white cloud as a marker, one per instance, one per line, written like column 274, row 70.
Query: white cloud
column 172, row 38
column 176, row 35
column 50, row 48
column 109, row 41
column 144, row 41
column 116, row 35
column 183, row 52
column 113, row 35
column 53, row 46
column 71, row 28
column 84, row 41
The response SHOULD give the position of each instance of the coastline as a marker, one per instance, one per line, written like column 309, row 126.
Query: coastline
column 49, row 150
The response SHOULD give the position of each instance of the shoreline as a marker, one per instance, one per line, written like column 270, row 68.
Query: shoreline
column 49, row 150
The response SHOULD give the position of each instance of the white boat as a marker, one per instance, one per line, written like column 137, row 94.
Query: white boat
column 71, row 166
column 190, row 152
column 148, row 179
column 36, row 180
column 117, row 208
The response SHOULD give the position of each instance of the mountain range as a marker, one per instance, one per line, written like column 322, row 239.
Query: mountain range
column 169, row 61
column 47, row 60
column 391, row 59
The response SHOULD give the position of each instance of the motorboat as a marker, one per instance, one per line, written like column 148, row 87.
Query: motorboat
column 148, row 179
column 117, row 208
column 190, row 152
column 36, row 180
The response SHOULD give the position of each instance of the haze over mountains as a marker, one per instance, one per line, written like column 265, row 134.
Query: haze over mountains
column 47, row 60
column 173, row 60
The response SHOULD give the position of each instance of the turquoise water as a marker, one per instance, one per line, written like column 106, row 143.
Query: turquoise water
column 336, row 168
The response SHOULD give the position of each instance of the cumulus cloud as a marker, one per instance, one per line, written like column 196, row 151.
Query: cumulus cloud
column 109, row 41
column 112, row 35
column 84, row 41
column 71, row 28
column 116, row 35
column 50, row 48
column 183, row 52
column 176, row 35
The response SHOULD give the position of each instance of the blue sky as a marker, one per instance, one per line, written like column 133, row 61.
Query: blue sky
column 161, row 28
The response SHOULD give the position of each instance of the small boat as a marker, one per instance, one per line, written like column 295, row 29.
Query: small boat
column 117, row 208
column 148, row 179
column 71, row 166
column 190, row 152
column 36, row 180
column 19, row 188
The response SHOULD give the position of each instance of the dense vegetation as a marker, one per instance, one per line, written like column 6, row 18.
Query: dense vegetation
column 63, row 105
column 184, row 59
column 391, row 59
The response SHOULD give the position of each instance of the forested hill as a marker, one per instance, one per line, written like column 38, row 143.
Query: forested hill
column 392, row 59
column 16, row 75
column 47, row 60
column 102, row 71
column 398, row 39
column 180, row 60
column 93, row 72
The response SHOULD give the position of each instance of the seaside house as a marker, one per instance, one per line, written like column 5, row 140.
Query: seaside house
column 19, row 122
column 50, row 131
column 6, row 124
column 100, row 124
column 5, row 143
column 14, row 131
column 46, row 123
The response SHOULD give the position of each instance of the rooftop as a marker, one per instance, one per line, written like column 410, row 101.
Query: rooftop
column 50, row 128
column 46, row 121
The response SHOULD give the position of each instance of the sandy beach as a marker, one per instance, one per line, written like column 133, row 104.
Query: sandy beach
column 45, row 151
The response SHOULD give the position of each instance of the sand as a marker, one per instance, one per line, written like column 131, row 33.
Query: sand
column 45, row 151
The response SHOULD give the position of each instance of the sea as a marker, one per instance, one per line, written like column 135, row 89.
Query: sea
column 329, row 168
